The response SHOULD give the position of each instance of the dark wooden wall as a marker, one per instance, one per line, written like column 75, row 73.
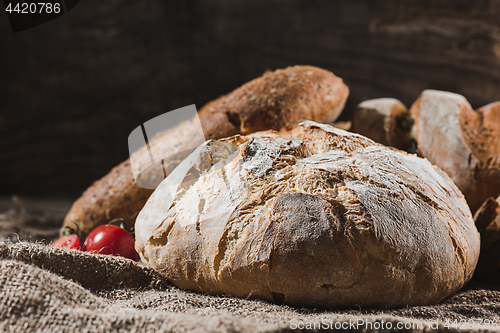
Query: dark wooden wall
column 72, row 90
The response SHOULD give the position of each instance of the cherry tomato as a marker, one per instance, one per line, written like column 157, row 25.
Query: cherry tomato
column 110, row 239
column 68, row 242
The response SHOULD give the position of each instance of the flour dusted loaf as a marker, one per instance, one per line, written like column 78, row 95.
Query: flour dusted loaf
column 463, row 142
column 276, row 99
column 310, row 216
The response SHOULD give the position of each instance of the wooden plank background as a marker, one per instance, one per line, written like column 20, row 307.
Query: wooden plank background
column 72, row 90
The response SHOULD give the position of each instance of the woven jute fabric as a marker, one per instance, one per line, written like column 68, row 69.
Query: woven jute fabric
column 44, row 289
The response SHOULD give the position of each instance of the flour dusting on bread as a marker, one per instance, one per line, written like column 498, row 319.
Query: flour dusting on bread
column 312, row 215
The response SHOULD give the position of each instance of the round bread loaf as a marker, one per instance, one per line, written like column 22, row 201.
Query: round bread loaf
column 310, row 216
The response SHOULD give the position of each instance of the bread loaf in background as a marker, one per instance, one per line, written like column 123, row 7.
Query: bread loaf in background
column 310, row 216
column 442, row 127
column 384, row 120
column 276, row 99
column 487, row 220
column 463, row 142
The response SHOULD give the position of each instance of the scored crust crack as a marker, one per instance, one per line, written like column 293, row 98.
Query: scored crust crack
column 311, row 216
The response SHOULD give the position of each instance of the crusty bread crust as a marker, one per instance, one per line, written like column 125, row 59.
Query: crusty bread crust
column 487, row 219
column 463, row 142
column 276, row 99
column 384, row 120
column 312, row 216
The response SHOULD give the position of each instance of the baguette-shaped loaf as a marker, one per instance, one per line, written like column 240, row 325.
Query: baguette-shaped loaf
column 311, row 216
column 276, row 99
column 463, row 142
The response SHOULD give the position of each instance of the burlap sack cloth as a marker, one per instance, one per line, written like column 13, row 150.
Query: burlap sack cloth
column 45, row 289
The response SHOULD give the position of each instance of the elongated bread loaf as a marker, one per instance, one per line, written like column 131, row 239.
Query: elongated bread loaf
column 312, row 216
column 276, row 99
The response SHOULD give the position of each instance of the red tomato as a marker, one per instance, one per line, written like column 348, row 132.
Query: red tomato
column 110, row 239
column 68, row 242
